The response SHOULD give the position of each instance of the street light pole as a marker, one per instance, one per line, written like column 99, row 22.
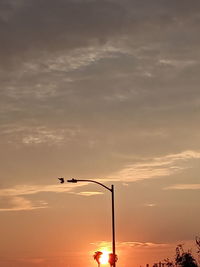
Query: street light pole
column 113, row 226
column 113, row 209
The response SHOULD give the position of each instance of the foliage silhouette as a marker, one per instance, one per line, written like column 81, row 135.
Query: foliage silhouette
column 184, row 259
column 97, row 256
column 112, row 258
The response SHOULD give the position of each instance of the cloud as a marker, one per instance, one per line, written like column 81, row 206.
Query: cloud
column 88, row 194
column 82, row 57
column 183, row 187
column 22, row 204
column 14, row 198
column 178, row 63
column 25, row 190
column 156, row 167
column 80, row 24
column 131, row 244
column 71, row 25
column 150, row 205
column 35, row 135
column 124, row 246
column 85, row 58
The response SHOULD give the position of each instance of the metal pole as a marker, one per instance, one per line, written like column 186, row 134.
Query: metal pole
column 113, row 225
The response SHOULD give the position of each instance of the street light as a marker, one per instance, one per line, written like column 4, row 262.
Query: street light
column 114, row 257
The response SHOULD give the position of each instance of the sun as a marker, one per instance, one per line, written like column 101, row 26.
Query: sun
column 104, row 257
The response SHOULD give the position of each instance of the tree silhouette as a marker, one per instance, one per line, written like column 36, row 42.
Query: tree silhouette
column 112, row 258
column 184, row 259
column 97, row 256
column 168, row 262
column 198, row 246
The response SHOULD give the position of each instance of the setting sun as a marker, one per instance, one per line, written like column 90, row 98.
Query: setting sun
column 104, row 257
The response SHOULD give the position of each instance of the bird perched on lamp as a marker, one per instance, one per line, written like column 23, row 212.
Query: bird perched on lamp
column 61, row 180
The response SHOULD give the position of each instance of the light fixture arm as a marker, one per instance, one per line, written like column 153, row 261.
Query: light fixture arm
column 92, row 181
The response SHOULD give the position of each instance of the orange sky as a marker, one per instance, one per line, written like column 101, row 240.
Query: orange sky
column 105, row 90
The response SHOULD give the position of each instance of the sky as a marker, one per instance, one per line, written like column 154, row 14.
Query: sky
column 105, row 90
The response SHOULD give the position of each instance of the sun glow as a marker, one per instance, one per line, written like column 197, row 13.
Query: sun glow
column 104, row 257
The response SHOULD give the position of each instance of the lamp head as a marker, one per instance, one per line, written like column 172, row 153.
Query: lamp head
column 72, row 181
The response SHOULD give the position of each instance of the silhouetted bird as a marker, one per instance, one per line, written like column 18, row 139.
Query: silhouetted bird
column 61, row 180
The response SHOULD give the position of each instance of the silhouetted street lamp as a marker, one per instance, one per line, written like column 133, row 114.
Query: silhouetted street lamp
column 114, row 257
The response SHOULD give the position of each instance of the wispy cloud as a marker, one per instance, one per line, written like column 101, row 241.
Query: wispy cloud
column 63, row 62
column 143, row 244
column 177, row 63
column 88, row 194
column 81, row 57
column 22, row 204
column 150, row 204
column 15, row 198
column 131, row 244
column 156, row 167
column 25, row 190
column 35, row 135
column 183, row 187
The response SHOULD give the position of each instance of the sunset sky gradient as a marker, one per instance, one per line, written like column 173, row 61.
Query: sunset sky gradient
column 106, row 90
